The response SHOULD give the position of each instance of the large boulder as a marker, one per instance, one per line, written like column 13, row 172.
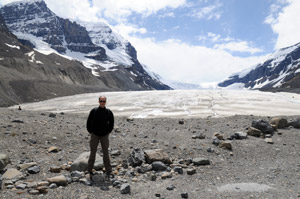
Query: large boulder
column 279, row 122
column 136, row 157
column 81, row 163
column 264, row 126
column 157, row 155
column 4, row 160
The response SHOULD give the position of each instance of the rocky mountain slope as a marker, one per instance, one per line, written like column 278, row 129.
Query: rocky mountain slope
column 64, row 52
column 280, row 72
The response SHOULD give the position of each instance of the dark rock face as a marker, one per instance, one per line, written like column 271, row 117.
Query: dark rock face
column 53, row 29
column 278, row 72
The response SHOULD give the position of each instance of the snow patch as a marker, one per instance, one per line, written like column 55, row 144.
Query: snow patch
column 13, row 46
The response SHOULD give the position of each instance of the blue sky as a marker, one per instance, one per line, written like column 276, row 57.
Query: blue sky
column 194, row 41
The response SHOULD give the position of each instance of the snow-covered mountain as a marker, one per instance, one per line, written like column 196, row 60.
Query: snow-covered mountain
column 95, row 45
column 280, row 71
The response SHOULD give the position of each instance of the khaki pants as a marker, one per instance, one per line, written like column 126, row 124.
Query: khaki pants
column 94, row 145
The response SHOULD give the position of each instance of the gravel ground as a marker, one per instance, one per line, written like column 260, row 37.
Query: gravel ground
column 253, row 169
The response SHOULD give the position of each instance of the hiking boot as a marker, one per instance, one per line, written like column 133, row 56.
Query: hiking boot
column 109, row 176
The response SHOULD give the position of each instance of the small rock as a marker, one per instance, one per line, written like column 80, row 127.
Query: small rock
column 53, row 186
column 125, row 188
column 31, row 185
column 184, row 195
column 157, row 155
column 25, row 166
column 181, row 122
column 136, row 157
column 21, row 186
column 33, row 192
column 200, row 161
column 53, row 149
column 4, row 160
column 269, row 140
column 166, row 175
column 52, row 115
column 157, row 195
column 42, row 189
column 171, row 187
column 17, row 121
column 279, row 122
column 11, row 174
column 226, row 145
column 59, row 180
column 43, row 183
column 191, row 171
column 178, row 169
column 219, row 136
column 33, row 170
column 158, row 166
column 81, row 163
column 115, row 153
column 55, row 169
column 254, row 132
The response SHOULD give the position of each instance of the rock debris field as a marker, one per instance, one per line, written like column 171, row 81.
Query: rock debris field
column 229, row 157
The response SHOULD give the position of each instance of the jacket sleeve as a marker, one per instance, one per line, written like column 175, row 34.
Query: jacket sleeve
column 89, row 122
column 111, row 121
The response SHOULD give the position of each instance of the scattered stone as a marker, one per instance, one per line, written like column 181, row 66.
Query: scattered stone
column 33, row 170
column 219, row 136
column 85, row 181
column 81, row 163
column 216, row 141
column 239, row 136
column 254, row 132
column 226, row 145
column 157, row 155
column 279, row 122
column 17, row 121
column 42, row 189
column 294, row 123
column 200, row 161
column 33, row 192
column 59, row 180
column 31, row 185
column 166, row 175
column 159, row 166
column 171, row 187
column 115, row 153
column 52, row 115
column 43, row 183
column 210, row 150
column 136, row 157
column 4, row 160
column 31, row 141
column 269, row 140
column 53, row 149
column 11, row 174
column 263, row 126
column 157, row 195
column 53, row 186
column 178, row 169
column 125, row 188
column 184, row 195
column 191, row 171
column 181, row 122
column 55, row 169
column 199, row 136
column 21, row 186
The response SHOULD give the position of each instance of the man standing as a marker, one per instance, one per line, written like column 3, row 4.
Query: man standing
column 99, row 124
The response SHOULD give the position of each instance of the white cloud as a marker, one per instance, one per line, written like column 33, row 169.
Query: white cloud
column 238, row 46
column 285, row 23
column 208, row 12
column 176, row 60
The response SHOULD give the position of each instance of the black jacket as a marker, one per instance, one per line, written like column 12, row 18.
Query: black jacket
column 100, row 121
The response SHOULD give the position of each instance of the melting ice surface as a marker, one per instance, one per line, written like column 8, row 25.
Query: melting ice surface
column 178, row 103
